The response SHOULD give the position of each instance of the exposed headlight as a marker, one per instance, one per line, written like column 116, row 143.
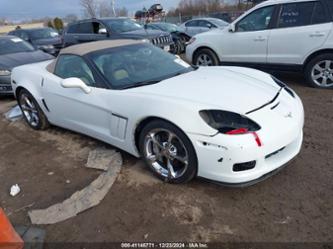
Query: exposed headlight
column 193, row 39
column 229, row 123
column 4, row 72
column 283, row 85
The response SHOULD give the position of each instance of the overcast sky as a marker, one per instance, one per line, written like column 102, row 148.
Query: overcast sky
column 27, row 9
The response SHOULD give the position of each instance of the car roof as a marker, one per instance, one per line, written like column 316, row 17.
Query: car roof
column 86, row 48
column 273, row 2
column 32, row 29
column 204, row 18
column 98, row 19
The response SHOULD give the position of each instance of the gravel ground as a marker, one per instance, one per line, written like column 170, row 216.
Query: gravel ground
column 293, row 206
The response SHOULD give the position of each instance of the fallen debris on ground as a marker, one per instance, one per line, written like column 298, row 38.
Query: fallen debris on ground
column 86, row 198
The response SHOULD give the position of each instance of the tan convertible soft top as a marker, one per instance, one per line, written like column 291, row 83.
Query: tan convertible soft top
column 86, row 48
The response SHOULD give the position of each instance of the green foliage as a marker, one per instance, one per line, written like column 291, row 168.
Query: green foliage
column 58, row 24
column 50, row 24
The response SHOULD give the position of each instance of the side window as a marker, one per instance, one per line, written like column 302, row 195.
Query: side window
column 257, row 20
column 74, row 66
column 98, row 28
column 295, row 14
column 319, row 14
column 85, row 28
column 205, row 24
column 330, row 6
column 73, row 29
column 192, row 24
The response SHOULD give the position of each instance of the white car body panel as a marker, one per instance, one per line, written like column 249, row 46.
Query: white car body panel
column 113, row 115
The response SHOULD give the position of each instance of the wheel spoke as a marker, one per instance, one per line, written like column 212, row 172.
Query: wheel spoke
column 319, row 68
column 324, row 82
column 152, row 158
column 180, row 159
column 328, row 64
column 155, row 141
column 171, row 171
column 318, row 76
column 171, row 137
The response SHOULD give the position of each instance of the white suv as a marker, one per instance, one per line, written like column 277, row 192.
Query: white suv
column 277, row 35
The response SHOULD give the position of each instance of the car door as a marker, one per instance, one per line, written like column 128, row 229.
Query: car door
column 192, row 27
column 249, row 41
column 76, row 110
column 302, row 28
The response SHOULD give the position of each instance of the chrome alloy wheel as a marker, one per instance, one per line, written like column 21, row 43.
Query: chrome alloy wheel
column 29, row 110
column 322, row 73
column 204, row 60
column 166, row 153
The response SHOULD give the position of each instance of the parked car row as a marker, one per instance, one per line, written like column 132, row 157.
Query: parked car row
column 15, row 52
column 277, row 35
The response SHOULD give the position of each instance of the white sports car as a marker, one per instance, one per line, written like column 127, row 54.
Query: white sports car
column 232, row 125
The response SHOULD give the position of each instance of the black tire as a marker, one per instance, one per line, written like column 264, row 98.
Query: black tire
column 205, row 53
column 42, row 123
column 310, row 70
column 189, row 171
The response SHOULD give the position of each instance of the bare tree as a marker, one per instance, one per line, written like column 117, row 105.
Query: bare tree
column 90, row 8
column 122, row 12
column 105, row 9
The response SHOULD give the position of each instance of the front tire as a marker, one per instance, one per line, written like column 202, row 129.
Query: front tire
column 32, row 113
column 319, row 71
column 168, row 152
column 205, row 58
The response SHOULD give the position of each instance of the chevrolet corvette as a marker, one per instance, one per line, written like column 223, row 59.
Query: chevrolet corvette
column 232, row 125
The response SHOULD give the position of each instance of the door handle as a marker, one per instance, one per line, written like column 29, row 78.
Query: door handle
column 317, row 34
column 259, row 39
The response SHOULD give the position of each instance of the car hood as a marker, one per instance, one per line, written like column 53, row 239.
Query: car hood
column 145, row 33
column 226, row 88
column 9, row 61
column 48, row 41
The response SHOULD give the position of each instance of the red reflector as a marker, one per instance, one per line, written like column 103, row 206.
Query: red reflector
column 238, row 131
column 256, row 137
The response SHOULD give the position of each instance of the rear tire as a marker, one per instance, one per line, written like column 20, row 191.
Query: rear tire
column 206, row 58
column 168, row 152
column 319, row 71
column 32, row 113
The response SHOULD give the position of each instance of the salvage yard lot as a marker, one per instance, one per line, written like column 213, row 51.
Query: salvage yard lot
column 293, row 206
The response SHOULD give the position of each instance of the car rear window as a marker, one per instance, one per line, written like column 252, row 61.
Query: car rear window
column 296, row 14
column 330, row 5
column 319, row 14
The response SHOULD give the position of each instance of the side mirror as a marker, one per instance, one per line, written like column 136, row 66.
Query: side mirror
column 209, row 26
column 102, row 31
column 232, row 28
column 75, row 83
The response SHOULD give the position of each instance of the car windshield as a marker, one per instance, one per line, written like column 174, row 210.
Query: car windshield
column 168, row 27
column 219, row 23
column 137, row 65
column 39, row 34
column 123, row 25
column 14, row 45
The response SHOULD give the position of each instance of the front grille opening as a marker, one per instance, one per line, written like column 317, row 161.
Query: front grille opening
column 274, row 153
column 244, row 166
